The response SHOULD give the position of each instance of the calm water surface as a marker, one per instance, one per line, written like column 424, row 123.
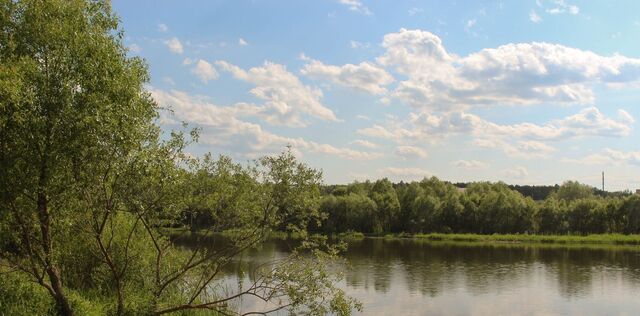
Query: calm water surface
column 416, row 277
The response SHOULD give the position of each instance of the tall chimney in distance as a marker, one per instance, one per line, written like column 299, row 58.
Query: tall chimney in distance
column 602, row 181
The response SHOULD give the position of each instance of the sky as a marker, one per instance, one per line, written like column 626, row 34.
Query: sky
column 526, row 92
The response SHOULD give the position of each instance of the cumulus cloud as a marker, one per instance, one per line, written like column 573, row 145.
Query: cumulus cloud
column 519, row 140
column 517, row 149
column 356, row 6
column 470, row 164
column 242, row 42
column 364, row 143
column 514, row 74
column 411, row 152
column 225, row 129
column 286, row 98
column 175, row 46
column 517, row 173
column 608, row 157
column 364, row 76
column 204, row 70
column 431, row 127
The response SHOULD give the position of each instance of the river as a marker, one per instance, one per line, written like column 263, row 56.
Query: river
column 419, row 277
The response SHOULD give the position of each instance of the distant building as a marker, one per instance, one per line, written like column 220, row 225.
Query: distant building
column 638, row 191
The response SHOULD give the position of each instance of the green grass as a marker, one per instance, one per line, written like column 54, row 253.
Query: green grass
column 603, row 239
column 613, row 239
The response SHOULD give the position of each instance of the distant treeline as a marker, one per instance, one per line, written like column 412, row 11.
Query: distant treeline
column 432, row 205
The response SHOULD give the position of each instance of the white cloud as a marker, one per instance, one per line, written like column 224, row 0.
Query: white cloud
column 414, row 11
column 560, row 7
column 411, row 152
column 364, row 76
column 519, row 149
column 242, row 42
column 609, row 157
column 517, row 173
column 470, row 164
column 225, row 130
column 168, row 81
column 424, row 127
column 363, row 117
column 286, row 98
column 364, row 143
column 513, row 74
column 404, row 174
column 163, row 27
column 534, row 17
column 174, row 45
column 205, row 71
column 380, row 132
column 356, row 44
column 135, row 48
column 356, row 176
column 520, row 140
column 356, row 6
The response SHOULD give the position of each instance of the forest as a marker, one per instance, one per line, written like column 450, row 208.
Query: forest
column 432, row 205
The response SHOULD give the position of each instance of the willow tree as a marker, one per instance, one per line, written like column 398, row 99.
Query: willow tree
column 86, row 180
column 73, row 103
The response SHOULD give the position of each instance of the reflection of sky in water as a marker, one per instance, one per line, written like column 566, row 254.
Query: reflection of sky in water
column 419, row 278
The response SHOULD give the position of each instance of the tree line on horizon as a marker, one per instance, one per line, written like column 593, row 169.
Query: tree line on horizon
column 435, row 206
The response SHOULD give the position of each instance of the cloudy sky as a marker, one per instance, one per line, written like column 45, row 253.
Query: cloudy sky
column 528, row 92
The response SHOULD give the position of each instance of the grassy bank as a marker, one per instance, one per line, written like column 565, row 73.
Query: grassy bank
column 603, row 239
column 613, row 239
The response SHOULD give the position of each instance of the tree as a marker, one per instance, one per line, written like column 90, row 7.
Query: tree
column 631, row 206
column 574, row 190
column 88, row 180
column 549, row 217
column 74, row 104
column 383, row 194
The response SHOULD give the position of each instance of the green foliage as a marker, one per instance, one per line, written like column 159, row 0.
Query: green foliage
column 20, row 297
column 573, row 190
column 88, row 181
column 434, row 206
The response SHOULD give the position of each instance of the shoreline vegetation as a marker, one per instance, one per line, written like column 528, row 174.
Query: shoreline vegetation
column 593, row 239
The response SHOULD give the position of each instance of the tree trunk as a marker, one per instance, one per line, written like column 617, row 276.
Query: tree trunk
column 52, row 271
column 61, row 300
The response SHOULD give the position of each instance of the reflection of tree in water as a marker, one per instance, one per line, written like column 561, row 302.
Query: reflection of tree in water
column 431, row 268
column 371, row 263
column 575, row 269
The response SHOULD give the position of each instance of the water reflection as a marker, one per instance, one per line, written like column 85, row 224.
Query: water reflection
column 403, row 276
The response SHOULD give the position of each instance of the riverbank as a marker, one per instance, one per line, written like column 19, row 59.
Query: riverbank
column 612, row 239
column 598, row 239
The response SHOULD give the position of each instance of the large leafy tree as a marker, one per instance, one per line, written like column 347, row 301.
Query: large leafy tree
column 87, row 181
column 73, row 104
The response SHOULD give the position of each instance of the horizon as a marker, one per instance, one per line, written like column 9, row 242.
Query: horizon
column 528, row 93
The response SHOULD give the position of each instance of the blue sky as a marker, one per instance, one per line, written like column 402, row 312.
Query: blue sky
column 527, row 92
